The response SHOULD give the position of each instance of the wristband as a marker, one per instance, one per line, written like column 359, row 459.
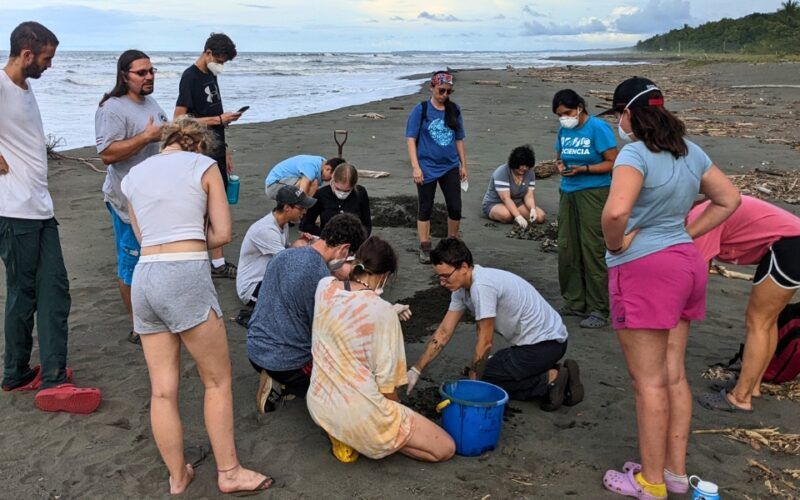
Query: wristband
column 220, row 120
column 618, row 250
column 416, row 370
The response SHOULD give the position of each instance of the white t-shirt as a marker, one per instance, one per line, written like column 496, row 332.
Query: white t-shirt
column 520, row 313
column 118, row 119
column 263, row 240
column 167, row 195
column 23, row 190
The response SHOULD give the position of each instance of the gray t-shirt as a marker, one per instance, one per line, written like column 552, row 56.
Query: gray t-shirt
column 520, row 313
column 279, row 333
column 118, row 119
column 670, row 187
column 262, row 241
column 503, row 180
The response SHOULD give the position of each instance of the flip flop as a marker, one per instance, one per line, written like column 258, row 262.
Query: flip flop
column 574, row 394
column 593, row 321
column 719, row 401
column 728, row 386
column 36, row 382
column 261, row 488
column 624, row 483
column 68, row 398
column 673, row 485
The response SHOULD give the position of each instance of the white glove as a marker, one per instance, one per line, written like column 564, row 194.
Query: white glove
column 403, row 311
column 413, row 377
column 520, row 220
column 533, row 215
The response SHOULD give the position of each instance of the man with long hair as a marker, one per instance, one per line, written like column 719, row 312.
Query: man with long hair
column 36, row 278
column 199, row 96
column 127, row 127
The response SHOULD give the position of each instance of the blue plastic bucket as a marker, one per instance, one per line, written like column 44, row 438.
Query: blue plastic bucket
column 473, row 415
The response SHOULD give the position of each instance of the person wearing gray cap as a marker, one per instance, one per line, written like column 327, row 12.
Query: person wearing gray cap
column 266, row 237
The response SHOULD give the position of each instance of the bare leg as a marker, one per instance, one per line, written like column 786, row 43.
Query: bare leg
column 429, row 442
column 453, row 227
column 208, row 345
column 216, row 253
column 646, row 356
column 500, row 213
column 125, row 293
column 424, row 230
column 162, row 354
column 680, row 400
column 767, row 300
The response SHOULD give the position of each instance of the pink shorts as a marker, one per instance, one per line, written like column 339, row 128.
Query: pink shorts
column 655, row 292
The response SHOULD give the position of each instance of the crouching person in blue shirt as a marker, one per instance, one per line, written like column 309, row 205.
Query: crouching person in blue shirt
column 503, row 302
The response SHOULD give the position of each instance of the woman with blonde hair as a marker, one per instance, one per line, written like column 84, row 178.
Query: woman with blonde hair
column 170, row 196
column 342, row 195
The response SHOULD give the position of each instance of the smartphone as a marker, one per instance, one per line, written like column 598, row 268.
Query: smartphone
column 243, row 109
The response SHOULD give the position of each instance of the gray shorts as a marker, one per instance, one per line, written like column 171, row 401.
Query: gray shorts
column 172, row 296
column 272, row 189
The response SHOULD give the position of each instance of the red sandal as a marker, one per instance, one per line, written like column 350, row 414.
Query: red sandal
column 68, row 398
column 36, row 383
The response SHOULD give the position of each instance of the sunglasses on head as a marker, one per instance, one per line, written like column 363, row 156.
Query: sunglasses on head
column 144, row 72
column 443, row 91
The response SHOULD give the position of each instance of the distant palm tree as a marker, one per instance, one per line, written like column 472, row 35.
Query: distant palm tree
column 790, row 6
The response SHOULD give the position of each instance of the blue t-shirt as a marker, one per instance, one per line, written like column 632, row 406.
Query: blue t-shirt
column 436, row 149
column 279, row 333
column 583, row 146
column 307, row 166
column 670, row 187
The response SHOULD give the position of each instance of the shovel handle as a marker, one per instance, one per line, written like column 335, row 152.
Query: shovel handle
column 336, row 134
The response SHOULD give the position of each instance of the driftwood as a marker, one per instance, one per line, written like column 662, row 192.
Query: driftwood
column 766, row 86
column 769, row 437
column 545, row 169
column 780, row 484
column 726, row 273
column 371, row 116
column 762, row 182
column 373, row 174
column 53, row 142
column 486, row 82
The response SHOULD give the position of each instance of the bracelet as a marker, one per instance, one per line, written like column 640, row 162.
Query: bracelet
column 588, row 171
column 220, row 120
column 614, row 251
column 416, row 370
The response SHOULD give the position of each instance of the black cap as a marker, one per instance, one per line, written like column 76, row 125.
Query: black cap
column 635, row 93
column 291, row 195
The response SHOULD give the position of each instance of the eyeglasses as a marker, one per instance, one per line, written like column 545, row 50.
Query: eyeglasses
column 144, row 72
column 445, row 277
column 444, row 91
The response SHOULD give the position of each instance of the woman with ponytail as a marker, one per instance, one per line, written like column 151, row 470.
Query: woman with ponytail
column 435, row 140
column 359, row 361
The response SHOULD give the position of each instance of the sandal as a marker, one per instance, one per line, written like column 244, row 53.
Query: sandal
column 36, row 381
column 263, row 486
column 574, row 394
column 719, row 401
column 674, row 485
column 594, row 320
column 624, row 483
column 68, row 398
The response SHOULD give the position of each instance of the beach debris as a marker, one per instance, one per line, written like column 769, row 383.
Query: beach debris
column 727, row 273
column 546, row 233
column 718, row 372
column 373, row 174
column 783, row 185
column 401, row 211
column 787, row 390
column 780, row 484
column 768, row 437
column 545, row 169
column 486, row 82
column 53, row 142
column 766, row 86
column 371, row 116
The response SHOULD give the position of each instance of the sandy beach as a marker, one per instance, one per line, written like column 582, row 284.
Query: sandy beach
column 111, row 454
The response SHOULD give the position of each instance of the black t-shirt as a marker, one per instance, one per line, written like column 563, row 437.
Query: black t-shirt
column 199, row 93
column 328, row 205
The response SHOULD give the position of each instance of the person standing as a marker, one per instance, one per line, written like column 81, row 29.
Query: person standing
column 127, row 127
column 199, row 96
column 585, row 152
column 36, row 278
column 656, row 277
column 435, row 140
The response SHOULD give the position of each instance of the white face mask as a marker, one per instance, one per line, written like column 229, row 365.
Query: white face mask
column 570, row 121
column 625, row 136
column 379, row 288
column 342, row 195
column 215, row 68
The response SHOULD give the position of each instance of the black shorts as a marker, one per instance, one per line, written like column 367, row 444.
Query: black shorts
column 782, row 263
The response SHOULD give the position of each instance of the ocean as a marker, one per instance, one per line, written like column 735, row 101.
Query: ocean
column 274, row 85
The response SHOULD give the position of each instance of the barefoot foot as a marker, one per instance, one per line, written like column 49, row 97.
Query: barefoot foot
column 179, row 485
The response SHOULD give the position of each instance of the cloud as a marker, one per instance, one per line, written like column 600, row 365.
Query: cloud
column 528, row 9
column 655, row 17
column 535, row 28
column 442, row 18
column 396, row 18
column 255, row 6
column 499, row 16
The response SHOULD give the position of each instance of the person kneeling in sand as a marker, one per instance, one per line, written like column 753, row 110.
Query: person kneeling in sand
column 359, row 361
column 265, row 238
column 307, row 172
column 509, row 197
column 503, row 302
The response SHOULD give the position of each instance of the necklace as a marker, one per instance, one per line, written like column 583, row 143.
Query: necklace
column 362, row 283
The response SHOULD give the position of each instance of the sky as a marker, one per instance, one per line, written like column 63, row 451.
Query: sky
column 366, row 25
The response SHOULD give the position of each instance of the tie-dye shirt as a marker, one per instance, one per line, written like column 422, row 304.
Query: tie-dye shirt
column 359, row 355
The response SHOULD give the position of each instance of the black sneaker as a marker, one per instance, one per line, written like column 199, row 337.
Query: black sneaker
column 574, row 394
column 226, row 270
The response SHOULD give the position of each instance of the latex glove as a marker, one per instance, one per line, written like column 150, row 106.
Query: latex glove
column 533, row 215
column 413, row 377
column 403, row 311
column 520, row 220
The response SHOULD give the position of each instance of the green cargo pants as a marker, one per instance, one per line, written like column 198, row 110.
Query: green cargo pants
column 582, row 271
column 36, row 282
